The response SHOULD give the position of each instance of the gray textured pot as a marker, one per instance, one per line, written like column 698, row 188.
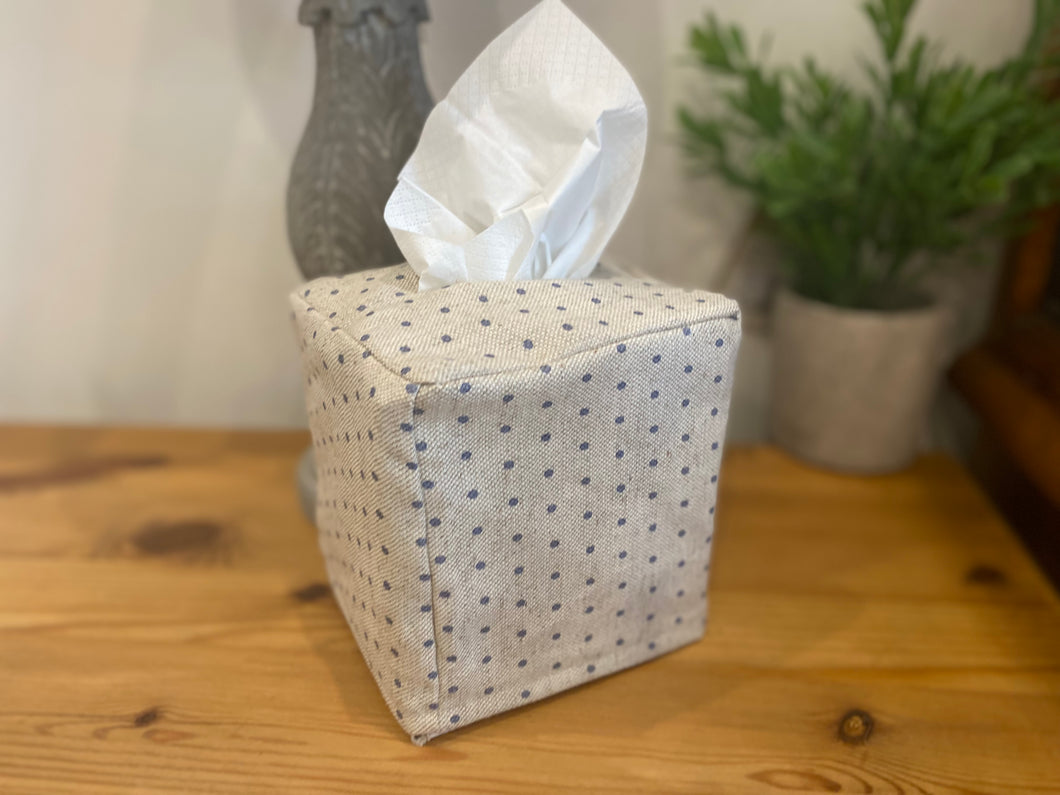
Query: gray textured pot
column 852, row 388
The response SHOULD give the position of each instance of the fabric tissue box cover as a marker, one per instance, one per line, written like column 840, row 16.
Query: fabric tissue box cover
column 516, row 479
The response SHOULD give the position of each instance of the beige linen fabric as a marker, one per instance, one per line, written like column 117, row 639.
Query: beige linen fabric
column 516, row 479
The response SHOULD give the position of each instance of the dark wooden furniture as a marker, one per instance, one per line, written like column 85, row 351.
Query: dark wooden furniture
column 1012, row 381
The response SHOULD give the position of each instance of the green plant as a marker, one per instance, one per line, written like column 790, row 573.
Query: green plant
column 865, row 189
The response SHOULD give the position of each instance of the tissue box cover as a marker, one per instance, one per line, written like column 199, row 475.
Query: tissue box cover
column 516, row 480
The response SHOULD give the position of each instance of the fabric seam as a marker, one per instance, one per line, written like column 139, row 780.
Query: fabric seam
column 734, row 317
column 430, row 570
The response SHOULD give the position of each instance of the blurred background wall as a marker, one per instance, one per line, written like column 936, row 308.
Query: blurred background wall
column 144, row 150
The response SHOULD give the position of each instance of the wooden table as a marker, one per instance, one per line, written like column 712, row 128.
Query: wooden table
column 165, row 626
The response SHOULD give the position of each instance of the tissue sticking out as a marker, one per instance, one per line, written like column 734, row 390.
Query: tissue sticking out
column 527, row 166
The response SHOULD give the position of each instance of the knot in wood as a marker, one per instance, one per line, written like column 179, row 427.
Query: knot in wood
column 855, row 727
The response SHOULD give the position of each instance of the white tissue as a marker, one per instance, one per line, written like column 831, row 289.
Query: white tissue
column 526, row 168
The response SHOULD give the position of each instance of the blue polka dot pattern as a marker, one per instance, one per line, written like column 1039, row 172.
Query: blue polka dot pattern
column 500, row 521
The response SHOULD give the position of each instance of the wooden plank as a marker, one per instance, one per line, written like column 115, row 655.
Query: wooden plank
column 1021, row 418
column 1027, row 267
column 162, row 629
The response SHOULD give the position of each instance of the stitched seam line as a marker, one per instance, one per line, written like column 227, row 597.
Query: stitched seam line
column 430, row 569
column 734, row 317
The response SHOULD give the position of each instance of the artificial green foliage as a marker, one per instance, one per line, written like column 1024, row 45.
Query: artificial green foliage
column 865, row 189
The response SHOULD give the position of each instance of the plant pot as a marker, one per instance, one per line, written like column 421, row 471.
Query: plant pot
column 852, row 388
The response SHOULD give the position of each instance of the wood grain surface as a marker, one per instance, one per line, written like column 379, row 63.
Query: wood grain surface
column 165, row 626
